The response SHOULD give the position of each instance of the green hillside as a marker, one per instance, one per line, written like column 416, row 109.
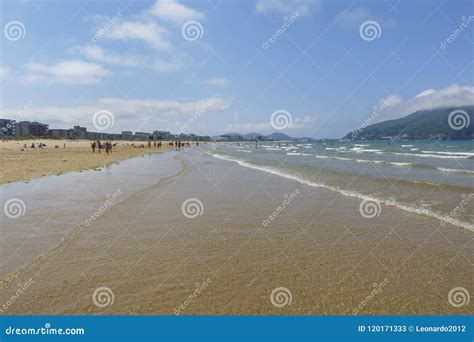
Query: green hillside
column 421, row 125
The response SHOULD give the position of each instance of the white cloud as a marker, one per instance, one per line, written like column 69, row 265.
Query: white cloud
column 68, row 72
column 218, row 82
column 174, row 11
column 148, row 32
column 452, row 96
column 98, row 54
column 286, row 6
column 4, row 71
column 164, row 67
column 129, row 114
column 247, row 127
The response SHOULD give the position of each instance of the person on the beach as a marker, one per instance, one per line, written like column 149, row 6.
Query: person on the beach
column 93, row 146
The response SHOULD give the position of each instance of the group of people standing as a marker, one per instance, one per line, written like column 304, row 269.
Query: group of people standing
column 107, row 145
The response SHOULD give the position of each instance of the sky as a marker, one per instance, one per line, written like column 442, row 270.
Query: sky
column 302, row 67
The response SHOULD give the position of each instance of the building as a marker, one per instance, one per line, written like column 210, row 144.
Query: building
column 7, row 127
column 142, row 135
column 78, row 132
column 25, row 128
column 162, row 135
column 58, row 133
column 127, row 135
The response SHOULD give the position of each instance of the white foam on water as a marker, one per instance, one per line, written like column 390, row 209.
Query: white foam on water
column 429, row 155
column 353, row 194
column 445, row 169
column 450, row 153
column 407, row 145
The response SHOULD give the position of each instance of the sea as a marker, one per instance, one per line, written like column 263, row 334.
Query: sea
column 430, row 178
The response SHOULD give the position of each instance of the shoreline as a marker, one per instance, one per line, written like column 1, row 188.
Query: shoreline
column 317, row 245
column 24, row 165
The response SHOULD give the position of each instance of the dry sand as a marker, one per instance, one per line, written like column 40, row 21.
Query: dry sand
column 18, row 164
column 331, row 260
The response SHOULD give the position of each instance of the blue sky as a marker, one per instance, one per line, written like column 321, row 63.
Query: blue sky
column 61, row 62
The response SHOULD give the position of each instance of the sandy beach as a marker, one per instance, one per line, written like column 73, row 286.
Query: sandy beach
column 192, row 234
column 19, row 163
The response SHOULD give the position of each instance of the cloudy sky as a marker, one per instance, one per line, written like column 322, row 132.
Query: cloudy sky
column 225, row 66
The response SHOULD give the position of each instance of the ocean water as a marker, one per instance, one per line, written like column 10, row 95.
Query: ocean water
column 434, row 179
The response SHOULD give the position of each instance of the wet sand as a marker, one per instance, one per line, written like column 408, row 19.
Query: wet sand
column 24, row 164
column 226, row 260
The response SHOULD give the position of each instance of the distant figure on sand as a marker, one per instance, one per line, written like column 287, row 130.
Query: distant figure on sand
column 93, row 146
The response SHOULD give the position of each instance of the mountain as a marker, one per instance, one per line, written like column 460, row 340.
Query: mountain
column 252, row 136
column 450, row 123
column 279, row 136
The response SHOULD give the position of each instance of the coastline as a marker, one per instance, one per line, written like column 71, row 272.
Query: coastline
column 241, row 246
column 77, row 156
